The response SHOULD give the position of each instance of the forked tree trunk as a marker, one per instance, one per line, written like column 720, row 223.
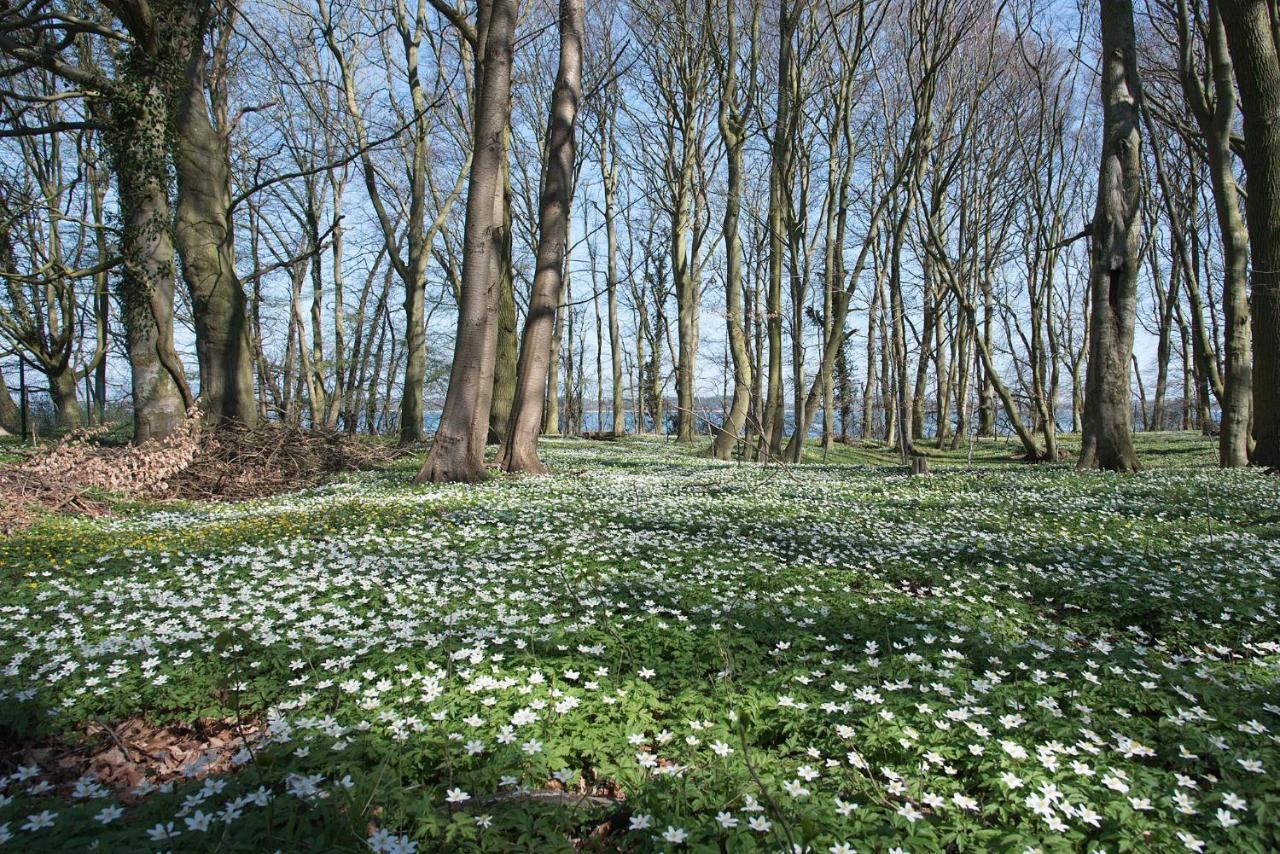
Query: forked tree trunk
column 1107, row 441
column 1251, row 27
column 520, row 452
column 457, row 454
column 206, row 242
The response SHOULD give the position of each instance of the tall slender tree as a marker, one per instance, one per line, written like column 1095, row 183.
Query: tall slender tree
column 1115, row 240
column 520, row 450
column 1253, row 38
column 457, row 454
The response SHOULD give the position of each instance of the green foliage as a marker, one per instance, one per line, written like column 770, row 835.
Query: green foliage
column 722, row 656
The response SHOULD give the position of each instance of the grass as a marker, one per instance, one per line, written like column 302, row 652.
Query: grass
column 649, row 650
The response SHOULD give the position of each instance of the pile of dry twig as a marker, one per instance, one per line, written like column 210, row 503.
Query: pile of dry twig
column 79, row 474
column 237, row 463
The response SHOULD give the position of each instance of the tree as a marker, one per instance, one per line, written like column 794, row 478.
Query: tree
column 679, row 72
column 734, row 113
column 608, row 99
column 520, row 450
column 1251, row 30
column 780, row 157
column 856, row 27
column 132, row 108
column 46, row 257
column 457, row 453
column 203, row 228
column 1207, row 86
column 1115, row 238
column 411, row 27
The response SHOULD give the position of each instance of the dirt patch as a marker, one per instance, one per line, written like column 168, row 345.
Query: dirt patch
column 121, row 756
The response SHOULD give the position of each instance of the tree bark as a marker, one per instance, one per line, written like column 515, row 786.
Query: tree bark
column 551, row 413
column 62, row 393
column 779, row 199
column 504, row 370
column 1215, row 117
column 10, row 413
column 986, row 392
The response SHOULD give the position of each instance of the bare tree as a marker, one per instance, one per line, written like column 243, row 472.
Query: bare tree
column 457, row 454
column 520, row 450
column 1251, row 30
column 1115, row 236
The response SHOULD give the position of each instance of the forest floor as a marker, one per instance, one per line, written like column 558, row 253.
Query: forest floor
column 648, row 650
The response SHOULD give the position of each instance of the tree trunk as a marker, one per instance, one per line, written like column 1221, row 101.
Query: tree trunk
column 520, row 452
column 657, row 402
column 375, row 372
column 924, row 354
column 869, row 381
column 62, row 393
column 137, row 138
column 686, row 318
column 641, row 393
column 779, row 199
column 504, row 369
column 551, row 414
column 457, row 453
column 339, row 305
column 1251, row 28
column 1107, row 443
column 415, row 365
column 10, row 413
column 1215, row 119
column 898, row 336
column 206, row 241
column 313, row 359
column 964, row 372
column 1164, row 343
column 619, row 424
column 986, row 392
column 943, row 367
column 731, row 120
